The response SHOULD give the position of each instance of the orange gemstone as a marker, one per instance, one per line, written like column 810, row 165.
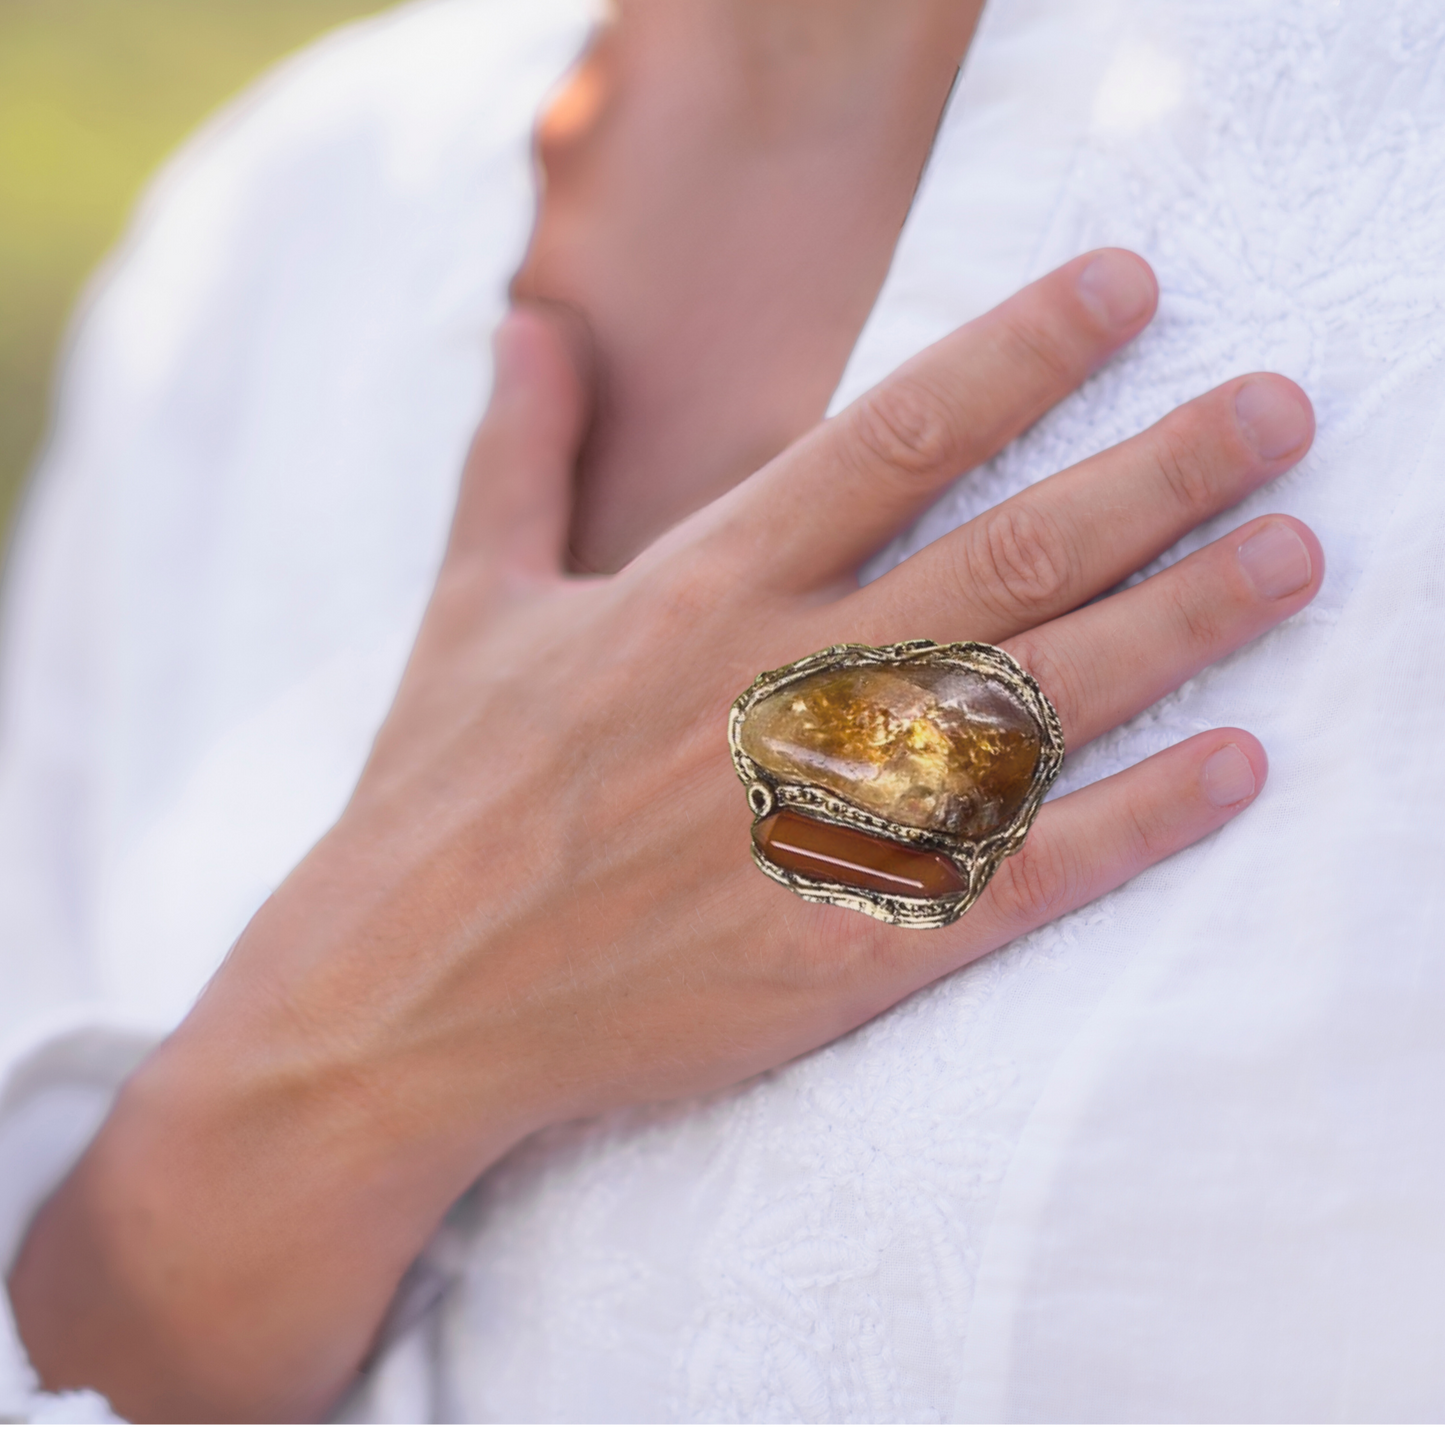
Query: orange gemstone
column 835, row 854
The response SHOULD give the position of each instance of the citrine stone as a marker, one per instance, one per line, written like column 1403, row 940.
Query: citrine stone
column 835, row 854
column 921, row 745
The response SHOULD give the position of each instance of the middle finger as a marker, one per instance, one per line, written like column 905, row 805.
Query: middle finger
column 1104, row 664
column 1067, row 539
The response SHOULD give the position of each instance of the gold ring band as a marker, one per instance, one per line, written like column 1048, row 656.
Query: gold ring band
column 894, row 780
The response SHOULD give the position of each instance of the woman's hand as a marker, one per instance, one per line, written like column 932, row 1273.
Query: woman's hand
column 540, row 902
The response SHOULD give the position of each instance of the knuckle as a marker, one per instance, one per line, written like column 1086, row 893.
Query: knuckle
column 1198, row 622
column 907, row 429
column 1035, row 885
column 692, row 597
column 1020, row 556
column 1039, row 348
column 1141, row 836
column 1185, row 467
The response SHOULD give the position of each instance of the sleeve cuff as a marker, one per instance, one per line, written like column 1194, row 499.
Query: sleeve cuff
column 56, row 1086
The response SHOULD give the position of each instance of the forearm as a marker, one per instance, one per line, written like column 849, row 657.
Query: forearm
column 233, row 1237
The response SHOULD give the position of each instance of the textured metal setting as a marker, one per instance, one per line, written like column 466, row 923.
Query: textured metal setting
column 976, row 861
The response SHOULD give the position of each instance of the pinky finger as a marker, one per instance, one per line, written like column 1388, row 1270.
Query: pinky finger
column 1090, row 842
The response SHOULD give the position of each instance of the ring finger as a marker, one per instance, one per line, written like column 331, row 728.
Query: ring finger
column 1105, row 663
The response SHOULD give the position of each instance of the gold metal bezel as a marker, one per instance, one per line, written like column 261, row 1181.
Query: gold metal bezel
column 977, row 861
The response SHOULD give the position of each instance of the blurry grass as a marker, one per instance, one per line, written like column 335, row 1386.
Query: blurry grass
column 93, row 95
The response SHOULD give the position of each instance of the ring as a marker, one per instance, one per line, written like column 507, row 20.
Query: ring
column 894, row 780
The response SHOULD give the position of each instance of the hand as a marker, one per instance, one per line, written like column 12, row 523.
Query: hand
column 540, row 902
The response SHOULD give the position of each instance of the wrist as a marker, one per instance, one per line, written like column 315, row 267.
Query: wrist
column 217, row 1254
column 234, row 1235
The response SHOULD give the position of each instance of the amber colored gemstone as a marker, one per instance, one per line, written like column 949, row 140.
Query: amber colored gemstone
column 922, row 745
column 836, row 854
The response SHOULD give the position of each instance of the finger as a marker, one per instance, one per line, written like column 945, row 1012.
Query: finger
column 1090, row 842
column 1107, row 662
column 516, row 492
column 1074, row 536
column 836, row 495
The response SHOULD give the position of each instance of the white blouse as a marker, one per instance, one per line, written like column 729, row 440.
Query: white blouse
column 1175, row 1157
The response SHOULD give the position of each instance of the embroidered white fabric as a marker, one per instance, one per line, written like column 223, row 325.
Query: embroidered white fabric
column 1174, row 1157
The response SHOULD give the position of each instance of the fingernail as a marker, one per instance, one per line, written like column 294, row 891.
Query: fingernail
column 1117, row 288
column 1273, row 418
column 1276, row 561
column 1227, row 777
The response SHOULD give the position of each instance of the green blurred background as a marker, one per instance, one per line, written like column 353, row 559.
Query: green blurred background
column 93, row 95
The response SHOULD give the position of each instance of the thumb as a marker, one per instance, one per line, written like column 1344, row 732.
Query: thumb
column 515, row 502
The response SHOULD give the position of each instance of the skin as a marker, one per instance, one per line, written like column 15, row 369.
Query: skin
column 539, row 903
column 725, row 181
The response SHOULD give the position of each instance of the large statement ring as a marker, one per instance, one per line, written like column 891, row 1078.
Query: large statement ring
column 894, row 780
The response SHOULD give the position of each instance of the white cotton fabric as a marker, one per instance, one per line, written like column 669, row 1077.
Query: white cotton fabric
column 1175, row 1157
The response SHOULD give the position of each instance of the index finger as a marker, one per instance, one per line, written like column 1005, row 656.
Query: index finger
column 835, row 496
